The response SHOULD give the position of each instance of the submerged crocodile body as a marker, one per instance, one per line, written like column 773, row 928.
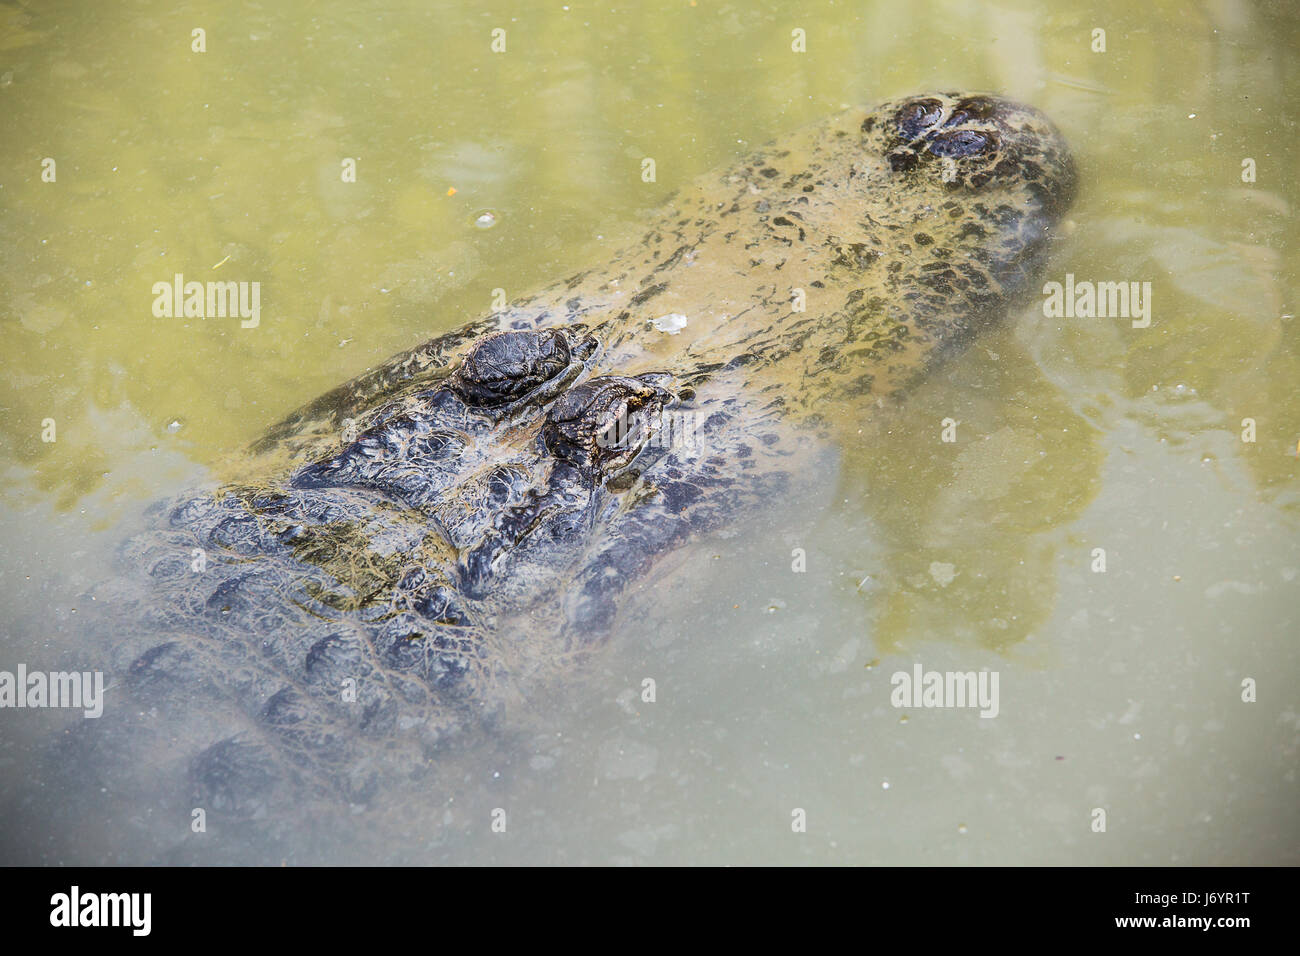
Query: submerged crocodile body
column 413, row 550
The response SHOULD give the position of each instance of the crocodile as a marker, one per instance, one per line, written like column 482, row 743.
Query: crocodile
column 415, row 551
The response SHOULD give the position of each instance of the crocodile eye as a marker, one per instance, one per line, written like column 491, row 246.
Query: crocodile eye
column 916, row 117
column 507, row 366
column 602, row 424
column 961, row 142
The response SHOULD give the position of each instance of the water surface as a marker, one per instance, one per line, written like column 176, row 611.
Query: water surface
column 1120, row 690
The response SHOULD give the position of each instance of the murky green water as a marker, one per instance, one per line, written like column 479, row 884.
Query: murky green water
column 1121, row 689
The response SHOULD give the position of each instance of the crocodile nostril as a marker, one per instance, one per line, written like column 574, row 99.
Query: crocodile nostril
column 975, row 108
column 916, row 117
column 961, row 142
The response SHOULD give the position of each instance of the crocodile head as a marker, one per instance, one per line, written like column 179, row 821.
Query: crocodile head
column 974, row 145
column 506, row 482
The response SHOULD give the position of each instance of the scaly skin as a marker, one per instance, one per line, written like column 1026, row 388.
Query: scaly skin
column 439, row 534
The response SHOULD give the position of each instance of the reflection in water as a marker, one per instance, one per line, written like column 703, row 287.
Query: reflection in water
column 972, row 528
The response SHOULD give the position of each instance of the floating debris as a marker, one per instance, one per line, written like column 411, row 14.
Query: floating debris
column 672, row 323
